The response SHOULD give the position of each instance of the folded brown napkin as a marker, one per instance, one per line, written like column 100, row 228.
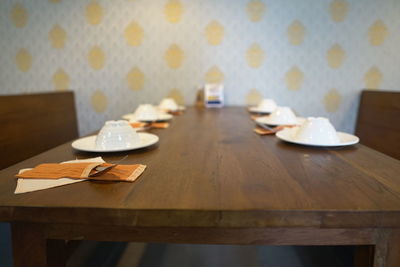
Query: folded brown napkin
column 147, row 125
column 91, row 171
column 175, row 112
column 262, row 131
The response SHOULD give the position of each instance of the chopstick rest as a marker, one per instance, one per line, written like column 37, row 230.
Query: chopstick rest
column 90, row 171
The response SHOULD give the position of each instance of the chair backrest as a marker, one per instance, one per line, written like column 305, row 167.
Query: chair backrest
column 33, row 123
column 378, row 123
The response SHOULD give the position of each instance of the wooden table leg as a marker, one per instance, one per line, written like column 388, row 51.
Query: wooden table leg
column 387, row 249
column 29, row 245
column 364, row 256
column 32, row 249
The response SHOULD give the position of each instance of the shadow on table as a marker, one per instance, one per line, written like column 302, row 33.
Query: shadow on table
column 5, row 245
column 107, row 254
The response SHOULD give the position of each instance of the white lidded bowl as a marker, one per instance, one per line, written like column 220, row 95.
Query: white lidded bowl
column 146, row 112
column 267, row 105
column 283, row 116
column 116, row 135
column 168, row 104
column 318, row 131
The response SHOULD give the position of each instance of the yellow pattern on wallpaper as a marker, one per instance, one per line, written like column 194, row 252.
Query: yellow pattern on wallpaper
column 296, row 32
column 134, row 34
column 23, row 60
column 256, row 10
column 19, row 16
column 332, row 100
column 373, row 78
column 99, row 101
column 314, row 56
column 255, row 56
column 94, row 13
column 173, row 11
column 61, row 80
column 96, row 58
column 294, row 78
column 377, row 33
column 177, row 95
column 57, row 37
column 335, row 56
column 338, row 10
column 214, row 75
column 135, row 79
column 174, row 56
column 253, row 97
column 214, row 33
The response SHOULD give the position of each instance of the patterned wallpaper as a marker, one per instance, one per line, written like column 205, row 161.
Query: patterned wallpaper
column 312, row 55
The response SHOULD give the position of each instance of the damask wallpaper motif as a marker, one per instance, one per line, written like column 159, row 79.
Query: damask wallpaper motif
column 314, row 56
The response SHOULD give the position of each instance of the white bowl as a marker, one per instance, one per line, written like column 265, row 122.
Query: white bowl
column 318, row 131
column 267, row 105
column 146, row 112
column 116, row 135
column 283, row 116
column 168, row 104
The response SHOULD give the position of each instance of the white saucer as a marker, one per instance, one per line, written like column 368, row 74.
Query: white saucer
column 267, row 120
column 346, row 139
column 161, row 117
column 88, row 143
column 260, row 111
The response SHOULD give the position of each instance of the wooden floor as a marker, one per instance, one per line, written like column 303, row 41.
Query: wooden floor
column 113, row 254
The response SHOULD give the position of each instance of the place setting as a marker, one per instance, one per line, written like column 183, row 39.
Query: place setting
column 280, row 118
column 169, row 106
column 266, row 106
column 312, row 131
column 115, row 136
column 147, row 113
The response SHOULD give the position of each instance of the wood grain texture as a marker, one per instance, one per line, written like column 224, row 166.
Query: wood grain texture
column 211, row 170
column 202, row 235
column 378, row 123
column 33, row 123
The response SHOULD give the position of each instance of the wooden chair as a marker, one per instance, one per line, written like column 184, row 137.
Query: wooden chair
column 33, row 123
column 378, row 123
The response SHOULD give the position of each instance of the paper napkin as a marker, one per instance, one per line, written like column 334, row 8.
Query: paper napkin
column 30, row 185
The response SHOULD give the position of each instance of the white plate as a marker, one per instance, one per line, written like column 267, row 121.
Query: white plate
column 161, row 117
column 267, row 120
column 261, row 111
column 88, row 144
column 345, row 138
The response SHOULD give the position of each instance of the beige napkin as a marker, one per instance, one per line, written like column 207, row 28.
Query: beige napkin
column 31, row 185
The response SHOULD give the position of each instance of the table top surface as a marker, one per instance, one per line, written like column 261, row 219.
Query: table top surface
column 211, row 170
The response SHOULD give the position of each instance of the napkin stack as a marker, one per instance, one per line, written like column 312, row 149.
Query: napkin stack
column 51, row 175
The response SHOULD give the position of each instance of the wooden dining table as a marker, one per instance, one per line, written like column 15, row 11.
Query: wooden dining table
column 212, row 180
